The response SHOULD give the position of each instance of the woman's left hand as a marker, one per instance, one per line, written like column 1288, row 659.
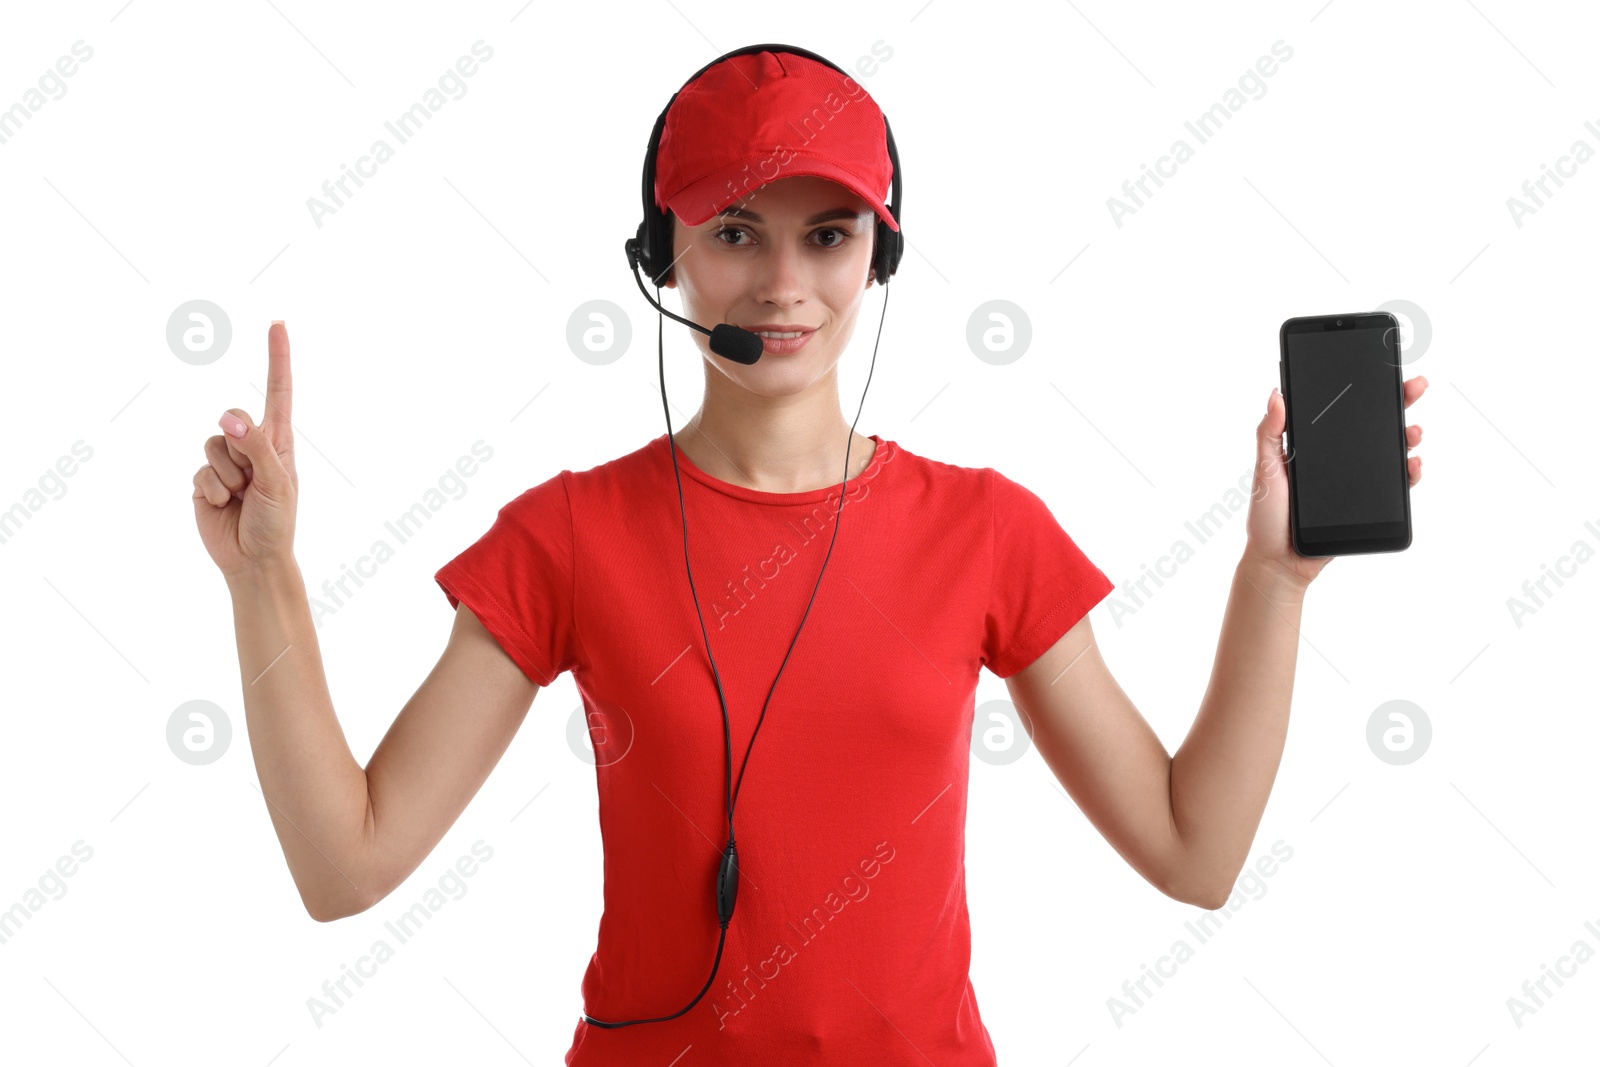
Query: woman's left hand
column 1267, row 527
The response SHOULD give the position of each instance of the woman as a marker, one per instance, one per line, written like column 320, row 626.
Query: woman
column 851, row 942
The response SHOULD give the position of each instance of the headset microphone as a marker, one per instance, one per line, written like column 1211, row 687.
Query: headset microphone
column 727, row 340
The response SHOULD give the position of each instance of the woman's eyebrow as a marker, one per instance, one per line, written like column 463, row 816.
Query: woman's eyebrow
column 826, row 216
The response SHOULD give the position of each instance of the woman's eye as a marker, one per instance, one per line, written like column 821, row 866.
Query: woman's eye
column 840, row 236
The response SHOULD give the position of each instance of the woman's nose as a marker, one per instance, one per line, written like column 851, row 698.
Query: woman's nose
column 782, row 275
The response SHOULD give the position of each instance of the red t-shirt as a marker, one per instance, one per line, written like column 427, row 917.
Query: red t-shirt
column 850, row 939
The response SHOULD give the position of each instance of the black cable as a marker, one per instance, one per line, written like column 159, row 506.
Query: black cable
column 730, row 791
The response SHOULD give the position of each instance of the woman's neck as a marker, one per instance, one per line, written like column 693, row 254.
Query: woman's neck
column 759, row 455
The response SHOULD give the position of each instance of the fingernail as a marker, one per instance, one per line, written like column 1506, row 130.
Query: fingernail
column 1270, row 395
column 277, row 322
column 231, row 424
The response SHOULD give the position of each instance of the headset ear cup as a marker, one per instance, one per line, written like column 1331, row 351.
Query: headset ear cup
column 642, row 242
column 885, row 253
column 655, row 250
column 660, row 246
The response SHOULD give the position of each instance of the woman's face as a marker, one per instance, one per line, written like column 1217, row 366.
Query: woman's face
column 771, row 261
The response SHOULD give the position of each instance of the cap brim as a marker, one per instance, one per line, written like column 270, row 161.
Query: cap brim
column 711, row 194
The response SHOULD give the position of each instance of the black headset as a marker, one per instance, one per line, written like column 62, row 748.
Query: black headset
column 654, row 238
column 651, row 250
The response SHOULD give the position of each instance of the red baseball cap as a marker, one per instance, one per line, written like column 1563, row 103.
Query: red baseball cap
column 761, row 116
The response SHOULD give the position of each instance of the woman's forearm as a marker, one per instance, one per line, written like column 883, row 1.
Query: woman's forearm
column 1223, row 771
column 316, row 792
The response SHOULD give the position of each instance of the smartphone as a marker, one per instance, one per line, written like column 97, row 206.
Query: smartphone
column 1349, row 489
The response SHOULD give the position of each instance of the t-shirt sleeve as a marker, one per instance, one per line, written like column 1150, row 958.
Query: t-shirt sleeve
column 518, row 580
column 1041, row 583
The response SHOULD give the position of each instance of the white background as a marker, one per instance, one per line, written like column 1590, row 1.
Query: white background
column 431, row 309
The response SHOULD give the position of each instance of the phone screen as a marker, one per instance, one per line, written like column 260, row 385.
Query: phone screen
column 1345, row 428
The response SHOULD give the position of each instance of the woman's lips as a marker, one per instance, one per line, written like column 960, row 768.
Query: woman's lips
column 783, row 346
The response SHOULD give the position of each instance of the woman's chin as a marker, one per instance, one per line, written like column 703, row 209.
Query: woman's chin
column 776, row 375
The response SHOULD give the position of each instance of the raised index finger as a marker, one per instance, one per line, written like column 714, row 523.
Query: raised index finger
column 277, row 418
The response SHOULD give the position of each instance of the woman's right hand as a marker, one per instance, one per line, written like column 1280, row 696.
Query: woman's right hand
column 245, row 494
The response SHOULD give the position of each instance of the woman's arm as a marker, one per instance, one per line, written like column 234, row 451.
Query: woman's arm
column 350, row 836
column 1186, row 822
column 1223, row 772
